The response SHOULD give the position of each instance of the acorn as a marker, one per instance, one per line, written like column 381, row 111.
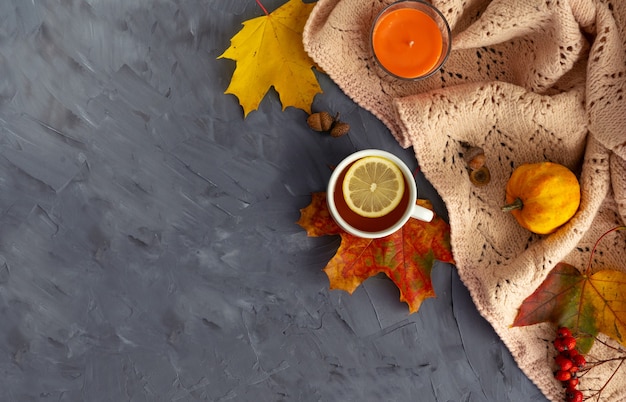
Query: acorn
column 481, row 176
column 321, row 121
column 474, row 158
column 339, row 128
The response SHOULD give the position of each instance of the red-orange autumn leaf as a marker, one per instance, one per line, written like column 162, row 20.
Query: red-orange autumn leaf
column 587, row 304
column 406, row 256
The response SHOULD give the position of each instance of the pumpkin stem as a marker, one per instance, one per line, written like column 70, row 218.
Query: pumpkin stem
column 516, row 204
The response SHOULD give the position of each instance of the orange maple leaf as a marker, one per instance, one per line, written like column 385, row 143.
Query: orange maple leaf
column 584, row 302
column 406, row 256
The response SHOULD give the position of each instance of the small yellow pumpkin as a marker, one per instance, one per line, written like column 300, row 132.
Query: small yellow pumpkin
column 542, row 196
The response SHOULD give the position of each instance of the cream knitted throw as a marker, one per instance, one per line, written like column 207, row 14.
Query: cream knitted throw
column 527, row 80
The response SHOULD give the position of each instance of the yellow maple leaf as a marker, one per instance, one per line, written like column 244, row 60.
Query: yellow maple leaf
column 269, row 52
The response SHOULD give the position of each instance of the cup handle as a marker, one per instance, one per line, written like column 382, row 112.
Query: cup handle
column 421, row 213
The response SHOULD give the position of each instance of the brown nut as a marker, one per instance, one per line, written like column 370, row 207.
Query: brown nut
column 474, row 158
column 321, row 121
column 480, row 177
column 340, row 128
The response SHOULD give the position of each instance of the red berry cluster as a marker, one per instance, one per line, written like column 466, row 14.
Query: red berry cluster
column 568, row 361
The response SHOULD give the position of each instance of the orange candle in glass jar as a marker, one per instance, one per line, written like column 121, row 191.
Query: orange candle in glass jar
column 407, row 42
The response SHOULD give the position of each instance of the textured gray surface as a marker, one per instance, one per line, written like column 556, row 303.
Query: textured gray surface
column 148, row 245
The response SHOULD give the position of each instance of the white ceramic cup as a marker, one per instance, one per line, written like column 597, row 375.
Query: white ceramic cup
column 409, row 208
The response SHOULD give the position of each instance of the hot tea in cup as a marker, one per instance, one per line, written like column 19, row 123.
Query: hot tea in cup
column 372, row 194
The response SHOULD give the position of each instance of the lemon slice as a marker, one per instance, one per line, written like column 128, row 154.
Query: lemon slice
column 373, row 186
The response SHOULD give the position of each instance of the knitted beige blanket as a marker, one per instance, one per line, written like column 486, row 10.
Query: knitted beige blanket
column 529, row 81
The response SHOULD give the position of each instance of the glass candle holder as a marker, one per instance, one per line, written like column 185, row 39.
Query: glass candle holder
column 410, row 39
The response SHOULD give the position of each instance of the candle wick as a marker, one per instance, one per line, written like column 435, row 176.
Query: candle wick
column 411, row 43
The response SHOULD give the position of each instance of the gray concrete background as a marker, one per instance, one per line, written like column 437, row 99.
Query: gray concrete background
column 148, row 244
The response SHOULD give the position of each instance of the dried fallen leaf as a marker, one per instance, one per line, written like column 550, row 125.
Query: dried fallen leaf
column 269, row 52
column 587, row 304
column 406, row 256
